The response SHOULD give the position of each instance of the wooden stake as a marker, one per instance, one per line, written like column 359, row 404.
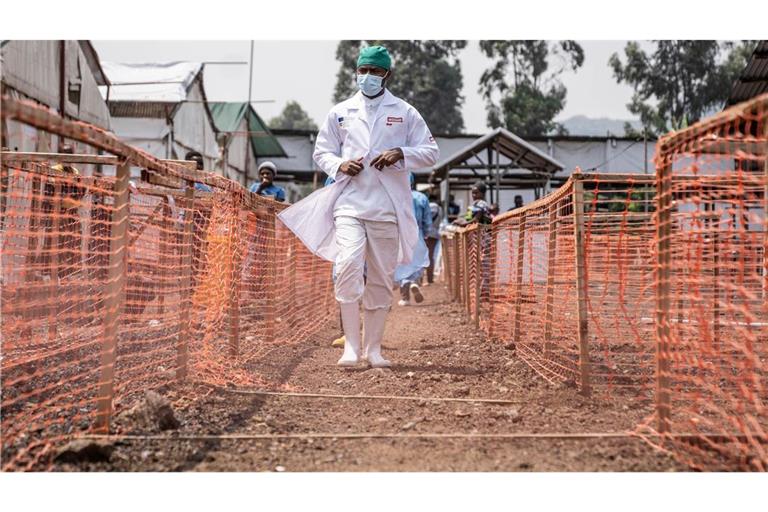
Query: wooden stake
column 465, row 272
column 114, row 297
column 293, row 270
column 551, row 262
column 234, row 281
column 663, row 263
column 493, row 265
column 164, row 258
column 581, row 285
column 517, row 322
column 54, row 289
column 182, row 344
column 446, row 263
column 478, row 272
column 456, row 262
column 270, row 269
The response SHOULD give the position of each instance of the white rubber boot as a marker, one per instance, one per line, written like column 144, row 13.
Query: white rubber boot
column 350, row 318
column 374, row 332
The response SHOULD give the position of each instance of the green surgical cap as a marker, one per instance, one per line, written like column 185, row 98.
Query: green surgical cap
column 374, row 56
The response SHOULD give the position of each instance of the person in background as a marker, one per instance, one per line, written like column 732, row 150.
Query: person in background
column 518, row 201
column 494, row 210
column 408, row 275
column 70, row 195
column 266, row 186
column 198, row 159
column 453, row 208
column 433, row 233
column 479, row 211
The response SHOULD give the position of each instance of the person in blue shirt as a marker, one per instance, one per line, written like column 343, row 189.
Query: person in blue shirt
column 266, row 187
column 408, row 276
column 196, row 157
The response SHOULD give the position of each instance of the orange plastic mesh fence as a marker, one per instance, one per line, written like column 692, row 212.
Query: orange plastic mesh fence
column 655, row 292
column 712, row 290
column 110, row 288
column 531, row 262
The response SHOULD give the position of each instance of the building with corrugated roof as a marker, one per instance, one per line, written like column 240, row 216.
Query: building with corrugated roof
column 162, row 109
column 244, row 138
column 65, row 76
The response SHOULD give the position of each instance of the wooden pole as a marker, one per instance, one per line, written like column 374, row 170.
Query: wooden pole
column 478, row 272
column 54, row 289
column 114, row 299
column 445, row 262
column 551, row 262
column 293, row 271
column 765, row 217
column 465, row 274
column 493, row 265
column 716, row 292
column 456, row 262
column 165, row 257
column 663, row 255
column 270, row 279
column 581, row 284
column 182, row 344
column 517, row 322
column 234, row 281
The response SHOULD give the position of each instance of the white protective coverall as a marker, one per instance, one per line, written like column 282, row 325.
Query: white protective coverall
column 347, row 134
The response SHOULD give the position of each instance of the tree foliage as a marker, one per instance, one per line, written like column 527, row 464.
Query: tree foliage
column 680, row 81
column 522, row 90
column 425, row 74
column 293, row 117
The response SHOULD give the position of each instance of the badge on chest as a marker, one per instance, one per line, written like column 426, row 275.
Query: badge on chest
column 346, row 121
column 394, row 120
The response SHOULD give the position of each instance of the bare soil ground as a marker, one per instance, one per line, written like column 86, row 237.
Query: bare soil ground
column 437, row 353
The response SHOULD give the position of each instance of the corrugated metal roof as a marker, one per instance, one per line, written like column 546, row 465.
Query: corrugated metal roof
column 152, row 109
column 506, row 143
column 753, row 81
column 227, row 117
column 161, row 82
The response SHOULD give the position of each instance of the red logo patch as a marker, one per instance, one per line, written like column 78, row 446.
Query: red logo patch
column 394, row 119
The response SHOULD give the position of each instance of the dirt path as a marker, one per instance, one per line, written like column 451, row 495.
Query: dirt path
column 437, row 354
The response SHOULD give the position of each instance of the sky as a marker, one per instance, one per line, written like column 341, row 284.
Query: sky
column 305, row 71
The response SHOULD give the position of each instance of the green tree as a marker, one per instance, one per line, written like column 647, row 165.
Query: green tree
column 425, row 74
column 680, row 81
column 293, row 117
column 522, row 91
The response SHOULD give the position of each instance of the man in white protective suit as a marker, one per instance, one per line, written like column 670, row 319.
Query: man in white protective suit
column 365, row 220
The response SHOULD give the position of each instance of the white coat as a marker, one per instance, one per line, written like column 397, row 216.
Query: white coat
column 345, row 135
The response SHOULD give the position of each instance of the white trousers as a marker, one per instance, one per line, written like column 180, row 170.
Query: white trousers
column 365, row 247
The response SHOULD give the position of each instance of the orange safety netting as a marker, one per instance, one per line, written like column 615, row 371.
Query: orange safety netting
column 112, row 285
column 527, row 278
column 650, row 291
column 712, row 290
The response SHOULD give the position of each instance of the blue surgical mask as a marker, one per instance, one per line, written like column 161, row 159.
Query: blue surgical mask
column 370, row 85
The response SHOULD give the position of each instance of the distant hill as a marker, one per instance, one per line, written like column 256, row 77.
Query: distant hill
column 583, row 125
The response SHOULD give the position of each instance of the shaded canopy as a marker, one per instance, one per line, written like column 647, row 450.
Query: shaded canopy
column 500, row 158
column 227, row 117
